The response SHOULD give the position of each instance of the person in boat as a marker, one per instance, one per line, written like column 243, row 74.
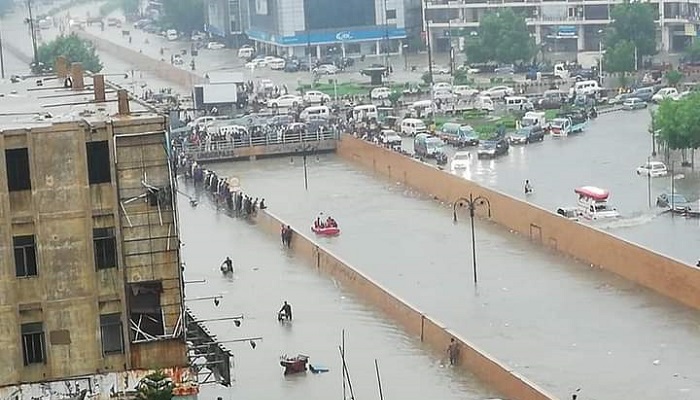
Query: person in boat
column 285, row 312
column 528, row 187
column 319, row 223
column 329, row 222
column 227, row 266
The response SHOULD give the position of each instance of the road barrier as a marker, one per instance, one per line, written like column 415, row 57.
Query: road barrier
column 431, row 332
column 665, row 275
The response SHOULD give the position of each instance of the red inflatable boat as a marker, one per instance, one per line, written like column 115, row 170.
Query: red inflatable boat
column 328, row 231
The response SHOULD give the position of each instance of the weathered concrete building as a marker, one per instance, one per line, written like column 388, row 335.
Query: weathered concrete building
column 90, row 273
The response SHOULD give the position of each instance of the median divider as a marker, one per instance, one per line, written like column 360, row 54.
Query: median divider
column 663, row 274
column 431, row 332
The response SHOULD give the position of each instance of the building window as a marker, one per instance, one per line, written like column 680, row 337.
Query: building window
column 17, row 161
column 145, row 311
column 25, row 255
column 390, row 14
column 112, row 335
column 98, row 162
column 33, row 343
column 105, row 244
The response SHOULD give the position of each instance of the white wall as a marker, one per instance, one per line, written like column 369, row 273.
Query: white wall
column 291, row 14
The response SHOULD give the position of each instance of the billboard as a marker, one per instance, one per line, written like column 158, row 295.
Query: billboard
column 334, row 14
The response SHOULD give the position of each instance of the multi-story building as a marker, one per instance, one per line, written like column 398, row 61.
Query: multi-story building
column 320, row 27
column 574, row 25
column 227, row 20
column 90, row 272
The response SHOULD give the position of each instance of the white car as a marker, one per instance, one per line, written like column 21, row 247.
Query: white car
column 464, row 91
column 276, row 64
column 443, row 95
column 390, row 138
column 663, row 94
column 653, row 169
column 682, row 95
column 215, row 46
column 380, row 93
column 442, row 86
column 314, row 96
column 499, row 91
column 285, row 101
column 269, row 59
column 266, row 84
column 440, row 70
column 256, row 63
column 460, row 161
column 325, row 69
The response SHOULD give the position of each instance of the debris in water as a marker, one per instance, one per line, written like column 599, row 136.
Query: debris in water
column 656, row 362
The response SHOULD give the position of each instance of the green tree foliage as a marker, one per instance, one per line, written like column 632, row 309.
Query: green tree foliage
column 633, row 22
column 74, row 49
column 156, row 386
column 503, row 37
column 619, row 57
column 678, row 122
column 673, row 77
column 183, row 15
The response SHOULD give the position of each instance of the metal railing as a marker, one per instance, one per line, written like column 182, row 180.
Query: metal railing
column 226, row 148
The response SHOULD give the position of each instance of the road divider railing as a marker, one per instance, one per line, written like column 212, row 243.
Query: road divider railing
column 596, row 248
column 431, row 332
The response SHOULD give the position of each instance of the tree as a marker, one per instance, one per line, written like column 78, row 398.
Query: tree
column 678, row 123
column 183, row 15
column 155, row 386
column 74, row 49
column 673, row 77
column 619, row 57
column 502, row 37
column 633, row 22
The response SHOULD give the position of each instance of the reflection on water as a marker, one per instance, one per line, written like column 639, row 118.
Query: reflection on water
column 546, row 316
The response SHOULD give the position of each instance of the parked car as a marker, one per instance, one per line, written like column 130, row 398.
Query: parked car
column 285, row 101
column 440, row 70
column 620, row 98
column 499, row 91
column 505, row 70
column 276, row 64
column 215, row 46
column 325, row 69
column 493, row 147
column 442, row 86
column 634, row 103
column 380, row 93
column 527, row 134
column 443, row 95
column 314, row 96
column 677, row 201
column 663, row 94
column 460, row 160
column 389, row 137
column 464, row 91
column 256, row 63
column 652, row 169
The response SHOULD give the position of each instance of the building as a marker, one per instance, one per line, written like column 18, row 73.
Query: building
column 227, row 20
column 575, row 25
column 90, row 273
column 329, row 27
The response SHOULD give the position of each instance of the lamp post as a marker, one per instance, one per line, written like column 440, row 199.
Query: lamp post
column 649, row 182
column 471, row 203
column 304, row 151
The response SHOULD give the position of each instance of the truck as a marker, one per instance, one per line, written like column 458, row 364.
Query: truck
column 558, row 70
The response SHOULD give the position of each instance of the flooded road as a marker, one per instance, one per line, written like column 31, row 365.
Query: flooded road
column 266, row 275
column 560, row 323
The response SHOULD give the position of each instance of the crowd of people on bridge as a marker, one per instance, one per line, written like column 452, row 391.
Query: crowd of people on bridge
column 225, row 192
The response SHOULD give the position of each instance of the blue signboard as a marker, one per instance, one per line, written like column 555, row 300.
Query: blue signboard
column 567, row 31
column 314, row 38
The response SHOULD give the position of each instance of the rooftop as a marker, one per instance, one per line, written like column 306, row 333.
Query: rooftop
column 36, row 101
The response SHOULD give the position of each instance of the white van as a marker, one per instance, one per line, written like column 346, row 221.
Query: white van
column 171, row 34
column 586, row 88
column 363, row 111
column 413, row 126
column 484, row 103
column 518, row 103
column 315, row 113
column 246, row 52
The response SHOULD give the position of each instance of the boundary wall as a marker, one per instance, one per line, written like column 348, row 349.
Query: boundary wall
column 162, row 69
column 667, row 276
column 431, row 332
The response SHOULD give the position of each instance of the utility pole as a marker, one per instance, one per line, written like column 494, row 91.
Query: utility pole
column 2, row 58
column 427, row 42
column 33, row 33
column 386, row 36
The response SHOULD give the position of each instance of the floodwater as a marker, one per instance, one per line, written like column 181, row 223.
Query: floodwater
column 560, row 323
column 265, row 276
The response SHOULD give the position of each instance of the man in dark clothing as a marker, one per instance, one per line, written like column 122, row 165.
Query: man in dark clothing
column 285, row 312
column 227, row 266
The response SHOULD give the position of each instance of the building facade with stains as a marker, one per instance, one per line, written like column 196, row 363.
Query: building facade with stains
column 90, row 273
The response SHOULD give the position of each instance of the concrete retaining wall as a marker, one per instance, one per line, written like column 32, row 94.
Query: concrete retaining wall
column 430, row 332
column 161, row 69
column 662, row 274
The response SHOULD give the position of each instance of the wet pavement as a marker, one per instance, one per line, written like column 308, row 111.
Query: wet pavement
column 266, row 275
column 558, row 322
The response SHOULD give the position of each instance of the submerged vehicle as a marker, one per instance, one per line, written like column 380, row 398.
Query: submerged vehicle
column 593, row 203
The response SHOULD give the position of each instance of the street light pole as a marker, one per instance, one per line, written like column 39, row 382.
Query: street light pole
column 471, row 203
column 649, row 182
column 305, row 150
